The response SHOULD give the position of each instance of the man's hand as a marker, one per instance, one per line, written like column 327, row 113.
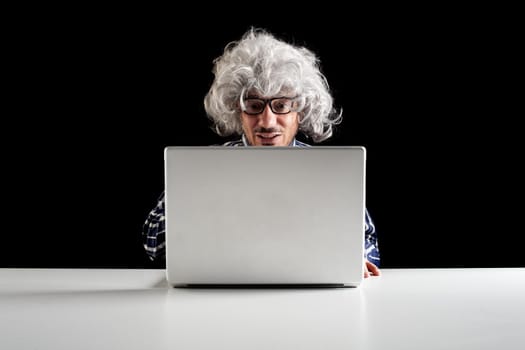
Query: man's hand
column 371, row 269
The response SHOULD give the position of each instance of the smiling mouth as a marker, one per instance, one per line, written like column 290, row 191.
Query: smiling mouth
column 268, row 136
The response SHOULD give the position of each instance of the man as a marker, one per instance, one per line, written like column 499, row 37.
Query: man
column 267, row 91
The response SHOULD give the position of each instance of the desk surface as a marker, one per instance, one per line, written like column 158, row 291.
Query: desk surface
column 135, row 309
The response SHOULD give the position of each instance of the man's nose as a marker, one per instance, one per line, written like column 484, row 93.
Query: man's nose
column 267, row 118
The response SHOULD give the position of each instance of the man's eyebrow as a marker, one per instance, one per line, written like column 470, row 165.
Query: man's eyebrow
column 273, row 98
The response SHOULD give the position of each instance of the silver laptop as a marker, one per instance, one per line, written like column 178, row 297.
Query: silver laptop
column 265, row 215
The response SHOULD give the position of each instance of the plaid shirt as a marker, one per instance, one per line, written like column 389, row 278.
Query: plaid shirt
column 154, row 229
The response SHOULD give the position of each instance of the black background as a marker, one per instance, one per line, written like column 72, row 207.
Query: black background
column 93, row 102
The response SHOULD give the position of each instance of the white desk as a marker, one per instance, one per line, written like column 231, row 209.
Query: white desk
column 134, row 309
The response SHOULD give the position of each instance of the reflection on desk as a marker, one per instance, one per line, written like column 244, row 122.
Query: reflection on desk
column 135, row 309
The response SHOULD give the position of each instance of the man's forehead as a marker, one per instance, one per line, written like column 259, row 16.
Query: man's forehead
column 256, row 94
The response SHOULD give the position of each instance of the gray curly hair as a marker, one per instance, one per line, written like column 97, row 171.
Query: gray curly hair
column 260, row 62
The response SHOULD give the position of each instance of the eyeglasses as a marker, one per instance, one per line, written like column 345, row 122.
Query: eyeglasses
column 278, row 105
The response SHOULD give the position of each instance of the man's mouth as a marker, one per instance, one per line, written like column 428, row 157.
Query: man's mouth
column 268, row 136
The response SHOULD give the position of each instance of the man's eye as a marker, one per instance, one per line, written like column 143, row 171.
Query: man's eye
column 255, row 104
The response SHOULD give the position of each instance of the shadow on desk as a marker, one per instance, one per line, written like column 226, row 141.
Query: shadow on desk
column 263, row 286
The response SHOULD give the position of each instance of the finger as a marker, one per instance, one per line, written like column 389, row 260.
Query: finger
column 373, row 269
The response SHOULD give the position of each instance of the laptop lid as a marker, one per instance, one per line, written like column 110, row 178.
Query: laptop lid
column 264, row 215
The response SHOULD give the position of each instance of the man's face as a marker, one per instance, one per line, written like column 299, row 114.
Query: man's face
column 270, row 127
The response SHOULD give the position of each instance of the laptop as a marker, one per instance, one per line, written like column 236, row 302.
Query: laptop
column 265, row 215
